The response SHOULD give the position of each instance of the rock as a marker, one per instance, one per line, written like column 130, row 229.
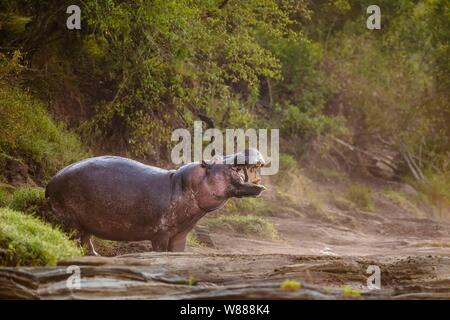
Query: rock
column 186, row 275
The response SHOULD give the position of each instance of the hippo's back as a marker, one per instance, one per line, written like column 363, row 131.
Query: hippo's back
column 111, row 197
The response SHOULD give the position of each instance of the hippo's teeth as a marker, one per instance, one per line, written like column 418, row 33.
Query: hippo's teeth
column 252, row 174
column 246, row 174
column 241, row 175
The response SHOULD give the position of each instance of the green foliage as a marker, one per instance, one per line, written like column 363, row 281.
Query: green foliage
column 28, row 200
column 31, row 200
column 316, row 206
column 27, row 241
column 13, row 24
column 390, row 84
column 170, row 61
column 192, row 241
column 311, row 69
column 435, row 191
column 96, row 48
column 361, row 196
column 253, row 206
column 402, row 201
column 290, row 285
column 301, row 95
column 192, row 280
column 28, row 133
column 349, row 292
column 341, row 203
column 288, row 163
column 244, row 224
column 10, row 66
column 288, row 167
column 4, row 197
column 438, row 186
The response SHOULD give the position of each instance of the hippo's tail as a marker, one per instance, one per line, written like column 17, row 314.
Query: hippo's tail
column 49, row 187
column 48, row 190
column 55, row 213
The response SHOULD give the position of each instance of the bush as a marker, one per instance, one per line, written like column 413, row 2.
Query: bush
column 28, row 200
column 248, row 225
column 32, row 201
column 437, row 187
column 27, row 241
column 435, row 191
column 288, row 167
column 361, row 197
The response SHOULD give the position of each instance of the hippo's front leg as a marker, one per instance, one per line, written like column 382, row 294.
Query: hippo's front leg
column 178, row 242
column 160, row 242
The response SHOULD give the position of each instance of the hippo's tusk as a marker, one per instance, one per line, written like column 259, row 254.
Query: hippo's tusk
column 245, row 173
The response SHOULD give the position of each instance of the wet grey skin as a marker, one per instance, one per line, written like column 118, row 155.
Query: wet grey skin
column 120, row 199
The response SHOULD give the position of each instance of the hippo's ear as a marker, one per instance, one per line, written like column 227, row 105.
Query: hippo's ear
column 204, row 164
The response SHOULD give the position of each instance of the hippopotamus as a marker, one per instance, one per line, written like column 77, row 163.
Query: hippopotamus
column 116, row 198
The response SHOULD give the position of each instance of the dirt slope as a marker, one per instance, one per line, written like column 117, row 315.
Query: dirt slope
column 307, row 236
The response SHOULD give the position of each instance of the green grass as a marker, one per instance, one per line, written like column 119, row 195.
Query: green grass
column 329, row 175
column 192, row 241
column 27, row 241
column 288, row 167
column 243, row 224
column 29, row 200
column 402, row 201
column 341, row 203
column 4, row 197
column 290, row 285
column 361, row 196
column 350, row 292
column 254, row 206
column 434, row 191
column 281, row 204
column 30, row 135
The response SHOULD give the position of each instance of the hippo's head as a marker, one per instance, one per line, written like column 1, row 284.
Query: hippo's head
column 236, row 175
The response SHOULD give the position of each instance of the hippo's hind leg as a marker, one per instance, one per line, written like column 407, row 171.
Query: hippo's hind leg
column 178, row 242
column 86, row 241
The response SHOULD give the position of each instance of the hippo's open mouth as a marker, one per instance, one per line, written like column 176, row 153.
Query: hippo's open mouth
column 250, row 173
column 250, row 180
column 247, row 164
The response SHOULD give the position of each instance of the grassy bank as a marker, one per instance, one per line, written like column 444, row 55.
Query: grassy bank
column 28, row 241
